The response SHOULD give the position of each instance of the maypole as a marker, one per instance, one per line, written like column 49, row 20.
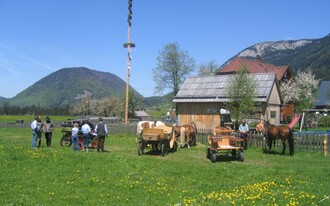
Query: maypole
column 128, row 45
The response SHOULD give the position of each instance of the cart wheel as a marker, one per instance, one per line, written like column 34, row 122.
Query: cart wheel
column 213, row 157
column 65, row 141
column 208, row 153
column 233, row 152
column 163, row 149
column 94, row 143
column 175, row 147
column 241, row 156
column 141, row 148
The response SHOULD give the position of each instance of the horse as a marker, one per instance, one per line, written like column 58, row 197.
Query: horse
column 146, row 124
column 187, row 134
column 279, row 132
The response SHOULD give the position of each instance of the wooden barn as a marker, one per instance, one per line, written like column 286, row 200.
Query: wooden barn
column 201, row 99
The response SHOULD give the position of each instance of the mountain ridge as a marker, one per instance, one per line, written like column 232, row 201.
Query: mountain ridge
column 300, row 55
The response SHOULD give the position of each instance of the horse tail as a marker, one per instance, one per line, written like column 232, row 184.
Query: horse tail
column 291, row 140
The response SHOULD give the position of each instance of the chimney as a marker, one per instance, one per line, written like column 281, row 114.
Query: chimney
column 258, row 59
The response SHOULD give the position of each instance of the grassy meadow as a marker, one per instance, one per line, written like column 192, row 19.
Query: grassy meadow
column 30, row 118
column 59, row 176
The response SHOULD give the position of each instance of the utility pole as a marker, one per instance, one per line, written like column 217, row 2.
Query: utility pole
column 128, row 45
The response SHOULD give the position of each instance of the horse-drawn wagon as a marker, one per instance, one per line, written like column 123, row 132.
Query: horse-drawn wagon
column 66, row 139
column 159, row 138
column 222, row 141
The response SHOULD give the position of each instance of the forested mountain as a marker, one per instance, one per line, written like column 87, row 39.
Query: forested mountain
column 300, row 55
column 68, row 85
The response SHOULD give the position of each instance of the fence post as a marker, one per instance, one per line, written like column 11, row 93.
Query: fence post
column 325, row 145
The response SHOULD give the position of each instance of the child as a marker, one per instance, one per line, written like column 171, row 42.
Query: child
column 75, row 144
column 259, row 130
column 259, row 127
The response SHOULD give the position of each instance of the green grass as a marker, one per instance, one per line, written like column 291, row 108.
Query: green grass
column 30, row 118
column 59, row 176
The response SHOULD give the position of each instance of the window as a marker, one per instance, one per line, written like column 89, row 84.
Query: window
column 212, row 111
column 272, row 114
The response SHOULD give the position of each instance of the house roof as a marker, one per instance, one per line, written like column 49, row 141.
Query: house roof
column 323, row 98
column 213, row 88
column 254, row 66
column 141, row 114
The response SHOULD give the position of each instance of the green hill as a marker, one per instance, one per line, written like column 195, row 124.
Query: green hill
column 68, row 85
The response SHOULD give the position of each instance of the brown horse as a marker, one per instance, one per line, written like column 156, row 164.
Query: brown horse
column 187, row 133
column 279, row 132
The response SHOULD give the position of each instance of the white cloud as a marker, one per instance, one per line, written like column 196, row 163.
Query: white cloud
column 14, row 55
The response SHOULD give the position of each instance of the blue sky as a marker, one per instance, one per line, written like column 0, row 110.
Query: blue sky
column 39, row 37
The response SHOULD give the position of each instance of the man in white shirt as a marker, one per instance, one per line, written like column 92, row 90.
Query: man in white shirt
column 86, row 129
column 244, row 129
column 35, row 130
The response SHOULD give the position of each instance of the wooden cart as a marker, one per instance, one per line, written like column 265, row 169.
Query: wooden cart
column 159, row 138
column 223, row 142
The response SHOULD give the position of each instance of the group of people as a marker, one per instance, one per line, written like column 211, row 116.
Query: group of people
column 101, row 131
column 244, row 129
column 38, row 128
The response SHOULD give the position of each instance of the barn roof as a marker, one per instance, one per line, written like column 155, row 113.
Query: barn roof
column 141, row 114
column 213, row 88
column 322, row 95
column 254, row 66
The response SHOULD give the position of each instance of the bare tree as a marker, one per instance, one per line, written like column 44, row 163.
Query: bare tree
column 173, row 65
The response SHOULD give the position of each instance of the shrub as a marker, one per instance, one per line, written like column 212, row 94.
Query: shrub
column 324, row 121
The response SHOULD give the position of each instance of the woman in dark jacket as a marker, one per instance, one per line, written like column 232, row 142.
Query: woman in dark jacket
column 48, row 130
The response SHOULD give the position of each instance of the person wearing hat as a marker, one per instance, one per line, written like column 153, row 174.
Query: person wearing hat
column 244, row 129
column 101, row 131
